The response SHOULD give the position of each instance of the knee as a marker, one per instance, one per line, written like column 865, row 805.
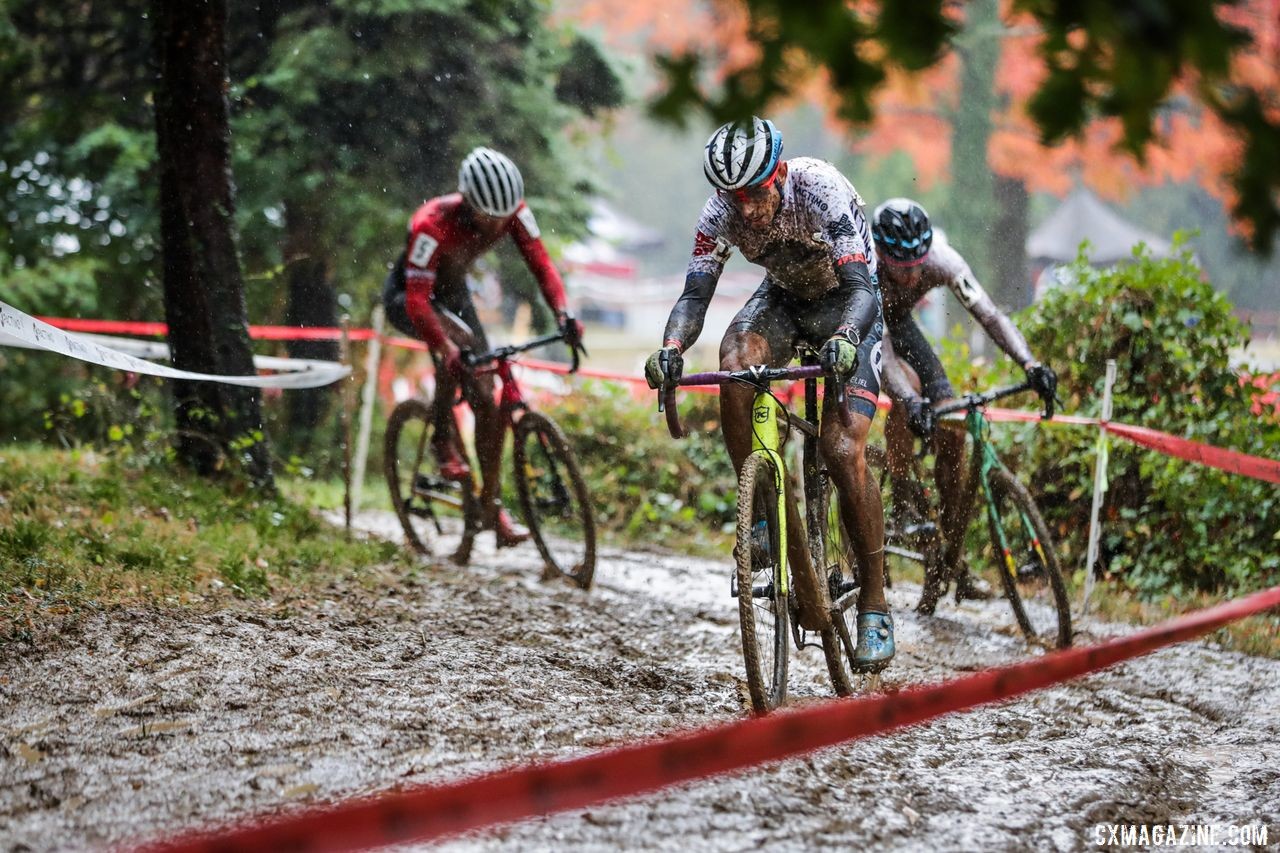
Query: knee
column 846, row 446
column 739, row 350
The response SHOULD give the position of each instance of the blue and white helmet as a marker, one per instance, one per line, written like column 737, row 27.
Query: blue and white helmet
column 490, row 182
column 740, row 154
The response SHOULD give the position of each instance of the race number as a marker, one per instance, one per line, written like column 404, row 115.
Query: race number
column 424, row 246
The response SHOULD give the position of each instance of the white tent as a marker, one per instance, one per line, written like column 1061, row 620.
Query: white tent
column 1082, row 216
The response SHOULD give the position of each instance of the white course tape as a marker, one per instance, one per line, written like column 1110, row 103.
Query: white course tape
column 23, row 330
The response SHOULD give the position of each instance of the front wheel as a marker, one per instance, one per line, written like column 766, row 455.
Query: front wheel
column 762, row 601
column 419, row 495
column 554, row 498
column 1027, row 562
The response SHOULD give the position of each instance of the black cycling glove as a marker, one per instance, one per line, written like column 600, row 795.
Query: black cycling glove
column 920, row 416
column 1042, row 380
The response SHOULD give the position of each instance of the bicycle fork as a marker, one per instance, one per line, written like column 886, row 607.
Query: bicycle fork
column 765, row 441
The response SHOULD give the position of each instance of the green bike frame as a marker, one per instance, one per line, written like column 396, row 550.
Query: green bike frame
column 766, row 441
column 985, row 461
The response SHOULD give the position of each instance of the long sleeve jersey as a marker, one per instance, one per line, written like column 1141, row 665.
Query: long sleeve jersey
column 443, row 243
column 818, row 237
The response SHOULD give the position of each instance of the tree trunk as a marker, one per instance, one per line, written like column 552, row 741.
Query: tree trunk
column 312, row 302
column 203, row 288
column 1013, row 287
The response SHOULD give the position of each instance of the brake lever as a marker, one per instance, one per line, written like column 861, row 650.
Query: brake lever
column 1047, row 415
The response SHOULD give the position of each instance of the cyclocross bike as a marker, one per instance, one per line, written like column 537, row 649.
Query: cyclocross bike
column 552, row 494
column 774, row 598
column 1018, row 547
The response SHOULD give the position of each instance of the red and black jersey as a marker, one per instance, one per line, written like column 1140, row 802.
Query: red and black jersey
column 443, row 243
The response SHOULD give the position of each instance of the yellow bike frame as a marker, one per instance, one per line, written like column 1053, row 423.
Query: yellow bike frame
column 766, row 441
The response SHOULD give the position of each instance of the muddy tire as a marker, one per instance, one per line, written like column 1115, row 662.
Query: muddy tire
column 827, row 547
column 554, row 499
column 762, row 605
column 1029, row 570
column 419, row 495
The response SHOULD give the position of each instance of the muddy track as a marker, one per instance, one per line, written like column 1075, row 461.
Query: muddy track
column 120, row 724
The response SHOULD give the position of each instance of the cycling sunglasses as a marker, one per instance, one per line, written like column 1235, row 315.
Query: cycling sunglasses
column 748, row 193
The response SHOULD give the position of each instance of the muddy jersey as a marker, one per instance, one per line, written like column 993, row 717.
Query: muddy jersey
column 942, row 267
column 818, row 227
column 442, row 244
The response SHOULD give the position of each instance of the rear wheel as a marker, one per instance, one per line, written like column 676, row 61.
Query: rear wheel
column 762, row 604
column 1023, row 554
column 833, row 560
column 419, row 495
column 554, row 498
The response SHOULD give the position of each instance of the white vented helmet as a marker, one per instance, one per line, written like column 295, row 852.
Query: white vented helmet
column 490, row 182
column 741, row 155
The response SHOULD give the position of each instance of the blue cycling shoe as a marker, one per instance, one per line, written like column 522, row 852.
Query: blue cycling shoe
column 875, row 642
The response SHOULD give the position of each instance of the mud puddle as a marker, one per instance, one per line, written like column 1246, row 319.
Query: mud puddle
column 126, row 723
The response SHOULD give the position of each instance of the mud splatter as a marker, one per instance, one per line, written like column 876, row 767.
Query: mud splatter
column 145, row 721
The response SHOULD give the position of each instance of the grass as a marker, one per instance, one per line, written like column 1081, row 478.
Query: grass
column 1256, row 635
column 79, row 528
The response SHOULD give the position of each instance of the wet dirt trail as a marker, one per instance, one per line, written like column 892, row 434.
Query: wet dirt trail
column 121, row 724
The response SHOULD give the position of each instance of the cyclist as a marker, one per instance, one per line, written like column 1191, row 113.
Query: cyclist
column 912, row 264
column 802, row 221
column 446, row 234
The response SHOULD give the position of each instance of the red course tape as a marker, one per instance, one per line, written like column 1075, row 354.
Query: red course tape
column 427, row 813
column 1172, row 445
column 1232, row 461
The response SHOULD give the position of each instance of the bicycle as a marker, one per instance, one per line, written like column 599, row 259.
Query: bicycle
column 552, row 493
column 773, row 600
column 1020, row 547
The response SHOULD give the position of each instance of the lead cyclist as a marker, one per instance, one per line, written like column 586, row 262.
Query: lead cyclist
column 803, row 222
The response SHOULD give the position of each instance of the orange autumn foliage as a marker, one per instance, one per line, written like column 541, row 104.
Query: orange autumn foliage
column 912, row 111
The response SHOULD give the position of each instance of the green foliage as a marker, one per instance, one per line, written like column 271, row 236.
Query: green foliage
column 79, row 527
column 1169, row 526
column 854, row 48
column 647, row 486
column 1109, row 59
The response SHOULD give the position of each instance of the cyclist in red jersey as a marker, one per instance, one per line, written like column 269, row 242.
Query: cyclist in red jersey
column 446, row 235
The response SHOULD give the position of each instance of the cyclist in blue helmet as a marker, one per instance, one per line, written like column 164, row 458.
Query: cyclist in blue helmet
column 914, row 262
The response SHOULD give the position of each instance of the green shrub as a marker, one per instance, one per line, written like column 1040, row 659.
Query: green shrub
column 645, row 484
column 1169, row 525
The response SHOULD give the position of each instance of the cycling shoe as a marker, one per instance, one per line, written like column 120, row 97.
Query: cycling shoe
column 875, row 642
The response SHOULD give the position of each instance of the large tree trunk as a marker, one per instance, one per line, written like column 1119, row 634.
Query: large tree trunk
column 1009, row 255
column 203, row 288
column 312, row 302
column 971, row 206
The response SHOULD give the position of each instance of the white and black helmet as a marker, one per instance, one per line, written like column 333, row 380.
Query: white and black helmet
column 490, row 182
column 742, row 154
